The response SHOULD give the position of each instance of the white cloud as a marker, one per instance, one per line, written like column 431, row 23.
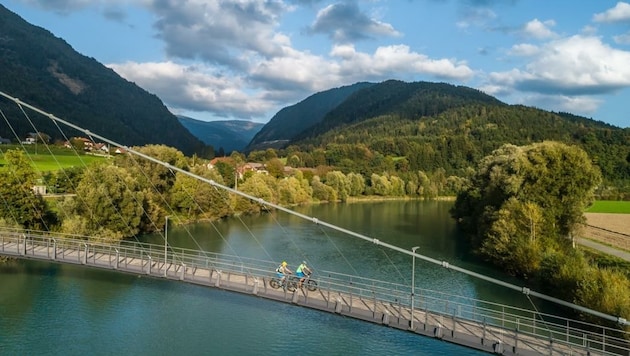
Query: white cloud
column 576, row 65
column 194, row 88
column 218, row 31
column 540, row 30
column 345, row 22
column 524, row 49
column 398, row 59
column 619, row 13
column 579, row 105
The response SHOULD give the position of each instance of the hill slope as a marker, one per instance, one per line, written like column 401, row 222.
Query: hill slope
column 229, row 135
column 400, row 99
column 294, row 119
column 433, row 127
column 46, row 72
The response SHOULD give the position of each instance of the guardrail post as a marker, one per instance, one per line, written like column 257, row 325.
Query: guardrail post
column 24, row 244
column 54, row 249
column 386, row 318
column 483, row 334
column 437, row 332
column 498, row 347
column 374, row 301
column 338, row 306
column 217, row 283
column 183, row 274
column 516, row 331
column 85, row 257
column 255, row 291
column 117, row 259
column 294, row 298
column 149, row 262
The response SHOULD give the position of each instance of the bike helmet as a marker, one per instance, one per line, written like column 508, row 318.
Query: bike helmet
column 304, row 262
column 284, row 263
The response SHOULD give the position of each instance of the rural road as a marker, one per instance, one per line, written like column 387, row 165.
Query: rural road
column 605, row 248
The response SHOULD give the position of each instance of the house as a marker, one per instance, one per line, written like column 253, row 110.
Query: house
column 39, row 189
column 101, row 147
column 29, row 141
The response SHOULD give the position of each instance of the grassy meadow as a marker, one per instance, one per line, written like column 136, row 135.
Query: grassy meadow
column 610, row 207
column 50, row 158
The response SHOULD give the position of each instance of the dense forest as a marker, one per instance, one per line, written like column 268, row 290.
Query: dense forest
column 402, row 128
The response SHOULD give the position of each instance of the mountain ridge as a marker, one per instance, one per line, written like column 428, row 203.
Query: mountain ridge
column 46, row 72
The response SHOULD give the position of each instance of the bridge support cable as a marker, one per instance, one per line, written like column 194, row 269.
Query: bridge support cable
column 445, row 264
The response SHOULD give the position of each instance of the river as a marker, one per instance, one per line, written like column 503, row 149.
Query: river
column 55, row 309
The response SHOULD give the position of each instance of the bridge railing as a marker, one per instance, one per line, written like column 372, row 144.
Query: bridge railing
column 448, row 306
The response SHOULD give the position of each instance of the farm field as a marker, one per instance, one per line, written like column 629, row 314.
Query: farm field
column 43, row 161
column 609, row 222
column 610, row 206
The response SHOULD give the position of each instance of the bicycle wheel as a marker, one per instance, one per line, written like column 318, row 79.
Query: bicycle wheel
column 291, row 285
column 311, row 285
column 274, row 283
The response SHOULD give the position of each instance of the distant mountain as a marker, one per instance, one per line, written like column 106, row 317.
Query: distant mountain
column 46, row 72
column 292, row 120
column 229, row 135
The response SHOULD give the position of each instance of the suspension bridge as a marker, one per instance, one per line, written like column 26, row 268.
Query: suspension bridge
column 484, row 325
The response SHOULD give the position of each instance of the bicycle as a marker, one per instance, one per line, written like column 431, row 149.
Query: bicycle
column 310, row 284
column 289, row 283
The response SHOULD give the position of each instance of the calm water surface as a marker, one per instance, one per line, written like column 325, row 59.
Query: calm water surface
column 57, row 309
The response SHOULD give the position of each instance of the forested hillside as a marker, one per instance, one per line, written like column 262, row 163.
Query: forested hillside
column 403, row 127
column 292, row 120
column 45, row 71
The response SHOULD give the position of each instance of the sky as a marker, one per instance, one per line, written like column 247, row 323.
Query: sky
column 247, row 59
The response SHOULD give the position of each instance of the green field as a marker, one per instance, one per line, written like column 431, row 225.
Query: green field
column 44, row 161
column 610, row 206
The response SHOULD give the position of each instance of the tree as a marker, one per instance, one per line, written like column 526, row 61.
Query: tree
column 18, row 201
column 523, row 200
column 357, row 184
column 150, row 174
column 275, row 167
column 195, row 198
column 339, row 182
column 260, row 186
column 111, row 200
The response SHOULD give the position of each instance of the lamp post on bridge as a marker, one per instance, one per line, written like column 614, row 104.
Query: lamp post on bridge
column 165, row 244
column 413, row 281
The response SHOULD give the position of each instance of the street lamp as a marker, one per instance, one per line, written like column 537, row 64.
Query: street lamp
column 413, row 279
column 165, row 244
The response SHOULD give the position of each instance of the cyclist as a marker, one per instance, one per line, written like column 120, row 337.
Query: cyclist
column 282, row 272
column 301, row 272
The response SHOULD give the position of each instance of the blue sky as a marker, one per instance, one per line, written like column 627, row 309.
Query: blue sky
column 246, row 59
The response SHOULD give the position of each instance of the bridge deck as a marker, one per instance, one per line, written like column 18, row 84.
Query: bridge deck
column 478, row 329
